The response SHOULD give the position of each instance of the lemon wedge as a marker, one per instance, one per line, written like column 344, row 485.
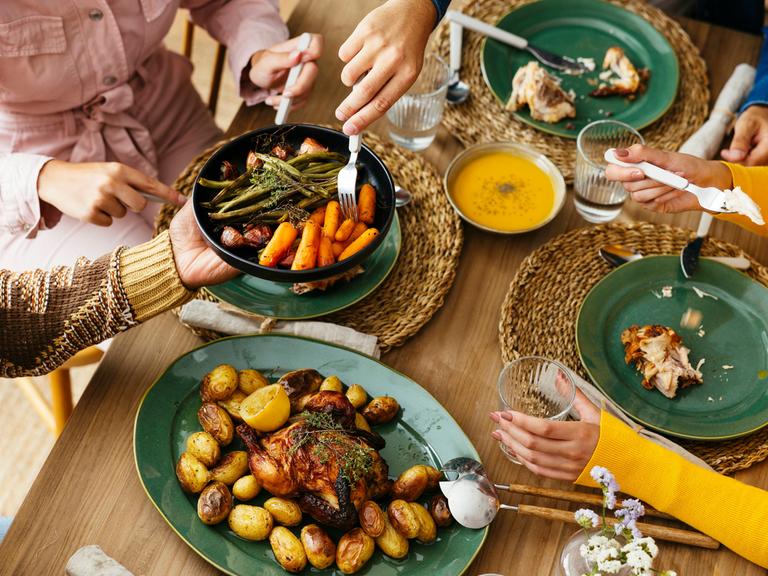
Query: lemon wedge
column 266, row 409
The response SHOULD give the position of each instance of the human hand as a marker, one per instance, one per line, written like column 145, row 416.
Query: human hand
column 550, row 448
column 389, row 44
column 750, row 138
column 196, row 262
column 98, row 192
column 270, row 67
column 658, row 197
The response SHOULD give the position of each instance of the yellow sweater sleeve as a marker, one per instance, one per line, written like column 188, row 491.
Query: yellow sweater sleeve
column 753, row 181
column 730, row 511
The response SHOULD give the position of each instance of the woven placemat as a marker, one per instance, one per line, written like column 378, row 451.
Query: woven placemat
column 431, row 244
column 539, row 313
column 483, row 119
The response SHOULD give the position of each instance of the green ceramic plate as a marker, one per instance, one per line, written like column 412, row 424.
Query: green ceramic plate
column 585, row 28
column 424, row 433
column 275, row 299
column 731, row 402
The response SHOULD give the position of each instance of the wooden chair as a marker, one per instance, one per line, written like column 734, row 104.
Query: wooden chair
column 218, row 65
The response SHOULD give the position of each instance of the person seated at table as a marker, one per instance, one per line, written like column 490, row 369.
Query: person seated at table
column 94, row 111
column 46, row 317
column 728, row 510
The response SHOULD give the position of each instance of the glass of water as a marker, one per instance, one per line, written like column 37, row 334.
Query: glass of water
column 415, row 117
column 537, row 387
column 597, row 199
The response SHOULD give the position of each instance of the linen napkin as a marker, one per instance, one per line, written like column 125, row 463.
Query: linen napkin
column 230, row 320
column 92, row 561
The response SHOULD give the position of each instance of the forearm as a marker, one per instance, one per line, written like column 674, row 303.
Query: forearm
column 730, row 511
column 753, row 181
column 46, row 317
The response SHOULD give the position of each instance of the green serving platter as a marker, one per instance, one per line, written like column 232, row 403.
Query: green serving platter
column 734, row 332
column 275, row 299
column 423, row 433
column 585, row 28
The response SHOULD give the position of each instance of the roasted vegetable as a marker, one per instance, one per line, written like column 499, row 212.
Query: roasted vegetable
column 325, row 255
column 427, row 527
column 354, row 550
column 332, row 219
column 287, row 549
column 298, row 383
column 332, row 384
column 345, row 230
column 204, row 447
column 366, row 204
column 372, row 518
column 214, row 504
column 249, row 380
column 361, row 422
column 391, row 542
column 250, row 522
column 411, row 484
column 284, row 511
column 357, row 396
column 217, row 422
column 365, row 238
column 403, row 518
column 219, row 383
column 434, row 476
column 438, row 509
column 380, row 410
column 192, row 474
column 318, row 546
column 279, row 245
column 232, row 404
column 306, row 254
column 231, row 467
column 318, row 216
column 246, row 488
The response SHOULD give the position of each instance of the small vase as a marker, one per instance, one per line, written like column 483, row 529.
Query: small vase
column 571, row 561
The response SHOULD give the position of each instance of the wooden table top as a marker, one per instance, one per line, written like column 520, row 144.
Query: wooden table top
column 88, row 491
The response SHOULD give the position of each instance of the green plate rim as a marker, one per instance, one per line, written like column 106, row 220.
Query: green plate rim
column 398, row 250
column 289, row 337
column 546, row 129
column 632, row 416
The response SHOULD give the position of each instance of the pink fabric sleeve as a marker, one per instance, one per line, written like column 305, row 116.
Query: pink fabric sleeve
column 245, row 26
column 19, row 204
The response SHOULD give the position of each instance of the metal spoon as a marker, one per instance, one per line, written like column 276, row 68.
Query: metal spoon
column 461, row 466
column 458, row 91
column 402, row 197
column 617, row 254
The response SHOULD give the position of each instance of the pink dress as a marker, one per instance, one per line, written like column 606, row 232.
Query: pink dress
column 90, row 81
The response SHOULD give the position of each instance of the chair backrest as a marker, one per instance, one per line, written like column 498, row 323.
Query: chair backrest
column 218, row 64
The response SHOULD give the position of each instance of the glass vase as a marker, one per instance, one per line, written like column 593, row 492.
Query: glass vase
column 571, row 561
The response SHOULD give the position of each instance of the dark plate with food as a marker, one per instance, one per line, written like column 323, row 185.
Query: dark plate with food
column 267, row 204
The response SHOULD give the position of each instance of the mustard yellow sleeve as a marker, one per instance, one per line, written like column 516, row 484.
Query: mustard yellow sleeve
column 730, row 511
column 753, row 180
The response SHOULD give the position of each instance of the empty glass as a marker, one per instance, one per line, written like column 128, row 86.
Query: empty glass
column 414, row 118
column 537, row 387
column 597, row 199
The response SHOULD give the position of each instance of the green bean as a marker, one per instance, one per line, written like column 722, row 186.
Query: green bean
column 251, row 193
column 232, row 188
column 315, row 157
column 214, row 183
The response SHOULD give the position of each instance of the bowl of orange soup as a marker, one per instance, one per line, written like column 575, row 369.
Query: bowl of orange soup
column 504, row 187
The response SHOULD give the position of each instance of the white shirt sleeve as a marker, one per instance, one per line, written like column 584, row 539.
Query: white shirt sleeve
column 19, row 203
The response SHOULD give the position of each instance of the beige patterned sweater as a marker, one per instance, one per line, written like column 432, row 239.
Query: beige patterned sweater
column 46, row 317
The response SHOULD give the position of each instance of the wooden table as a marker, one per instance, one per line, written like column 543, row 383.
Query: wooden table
column 88, row 491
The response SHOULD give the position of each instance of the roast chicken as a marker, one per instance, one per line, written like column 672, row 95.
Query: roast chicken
column 330, row 469
column 534, row 87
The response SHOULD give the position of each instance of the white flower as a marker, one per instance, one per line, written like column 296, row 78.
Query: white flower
column 639, row 559
column 649, row 545
column 586, row 518
column 668, row 573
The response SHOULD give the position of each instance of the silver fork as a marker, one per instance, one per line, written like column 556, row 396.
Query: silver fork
column 347, row 179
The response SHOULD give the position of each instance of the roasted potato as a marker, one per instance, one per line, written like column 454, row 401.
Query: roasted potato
column 427, row 527
column 192, row 474
column 219, row 383
column 232, row 404
column 411, row 484
column 284, row 511
column 215, row 503
column 251, row 380
column 320, row 549
column 215, row 420
column 231, row 468
column 332, row 384
column 204, row 447
column 287, row 549
column 361, row 422
column 250, row 522
column 403, row 518
column 357, row 396
column 434, row 475
column 300, row 383
column 380, row 410
column 391, row 542
column 246, row 488
column 354, row 550
column 438, row 509
column 372, row 518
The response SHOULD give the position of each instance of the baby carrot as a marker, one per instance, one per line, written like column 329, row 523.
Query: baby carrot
column 279, row 245
column 366, row 204
column 338, row 248
column 342, row 234
column 318, row 216
column 357, row 231
column 325, row 255
column 306, row 254
column 365, row 238
column 332, row 219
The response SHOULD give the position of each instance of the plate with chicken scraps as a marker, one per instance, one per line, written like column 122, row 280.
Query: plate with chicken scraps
column 635, row 71
column 418, row 432
column 686, row 357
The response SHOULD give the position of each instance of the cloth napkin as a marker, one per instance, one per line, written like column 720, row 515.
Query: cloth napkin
column 92, row 561
column 229, row 320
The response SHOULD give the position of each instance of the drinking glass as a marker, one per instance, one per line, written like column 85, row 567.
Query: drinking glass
column 597, row 199
column 414, row 118
column 537, row 387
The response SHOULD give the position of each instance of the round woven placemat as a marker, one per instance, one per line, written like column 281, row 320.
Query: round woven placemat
column 483, row 119
column 539, row 313
column 431, row 244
